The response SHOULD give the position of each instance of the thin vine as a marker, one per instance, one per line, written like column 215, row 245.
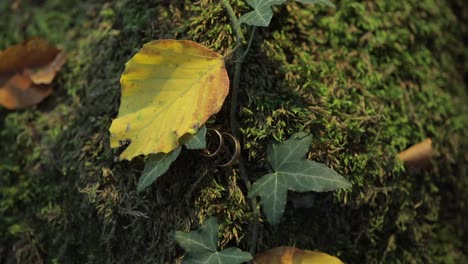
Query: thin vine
column 240, row 55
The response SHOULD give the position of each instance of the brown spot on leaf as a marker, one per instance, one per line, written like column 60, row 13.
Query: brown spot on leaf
column 210, row 78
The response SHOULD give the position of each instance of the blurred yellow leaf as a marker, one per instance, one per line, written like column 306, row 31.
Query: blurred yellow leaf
column 292, row 255
column 169, row 88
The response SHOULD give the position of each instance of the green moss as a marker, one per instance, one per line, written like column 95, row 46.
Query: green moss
column 372, row 78
column 367, row 80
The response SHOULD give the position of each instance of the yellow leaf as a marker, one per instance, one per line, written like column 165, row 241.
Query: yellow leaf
column 169, row 88
column 292, row 255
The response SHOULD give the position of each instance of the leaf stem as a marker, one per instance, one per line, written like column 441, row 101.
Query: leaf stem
column 252, row 34
column 240, row 56
column 234, row 22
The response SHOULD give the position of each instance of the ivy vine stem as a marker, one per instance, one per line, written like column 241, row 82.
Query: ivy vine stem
column 240, row 55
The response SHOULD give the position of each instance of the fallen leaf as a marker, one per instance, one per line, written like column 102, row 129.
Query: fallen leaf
column 292, row 255
column 169, row 89
column 19, row 92
column 32, row 53
column 26, row 70
column 202, row 246
column 292, row 172
column 46, row 74
column 417, row 156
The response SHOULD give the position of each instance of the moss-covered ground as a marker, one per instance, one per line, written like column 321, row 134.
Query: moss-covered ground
column 367, row 79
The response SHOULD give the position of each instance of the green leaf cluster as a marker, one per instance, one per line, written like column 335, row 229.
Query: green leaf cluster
column 293, row 172
column 202, row 246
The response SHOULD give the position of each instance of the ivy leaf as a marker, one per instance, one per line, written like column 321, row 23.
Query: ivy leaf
column 198, row 141
column 292, row 172
column 201, row 240
column 201, row 246
column 292, row 149
column 323, row 2
column 262, row 13
column 158, row 164
column 155, row 166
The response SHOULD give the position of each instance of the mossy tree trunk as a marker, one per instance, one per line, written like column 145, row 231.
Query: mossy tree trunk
column 367, row 79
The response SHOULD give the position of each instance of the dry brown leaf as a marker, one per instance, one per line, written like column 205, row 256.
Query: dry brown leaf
column 292, row 255
column 32, row 53
column 19, row 92
column 46, row 74
column 417, row 156
column 26, row 70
